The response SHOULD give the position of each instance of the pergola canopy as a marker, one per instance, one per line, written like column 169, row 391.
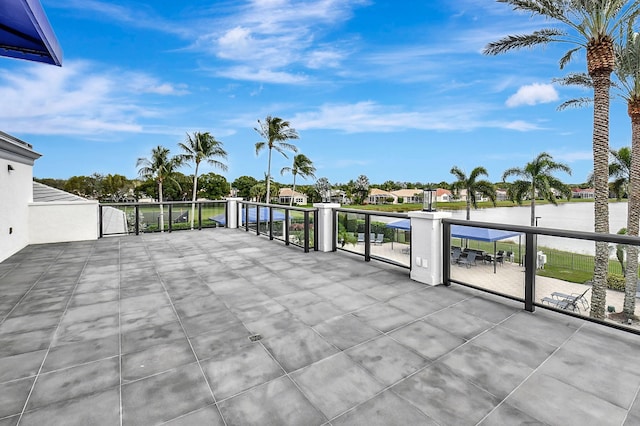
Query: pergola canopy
column 481, row 234
column 25, row 32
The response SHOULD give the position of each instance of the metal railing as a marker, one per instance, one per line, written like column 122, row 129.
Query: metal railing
column 293, row 225
column 371, row 234
column 539, row 280
column 136, row 218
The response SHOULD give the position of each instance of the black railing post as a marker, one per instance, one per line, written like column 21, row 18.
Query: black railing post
column 446, row 253
column 315, row 230
column 246, row 217
column 306, row 232
column 530, row 266
column 257, row 220
column 286, row 227
column 367, row 237
column 137, row 219
column 271, row 223
column 170, row 216
column 100, row 219
column 200, row 216
column 334, row 229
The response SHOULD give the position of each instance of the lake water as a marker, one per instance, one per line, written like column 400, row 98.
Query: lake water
column 573, row 216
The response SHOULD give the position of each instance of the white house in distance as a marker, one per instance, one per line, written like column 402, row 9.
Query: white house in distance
column 409, row 196
column 285, row 194
column 583, row 193
column 48, row 216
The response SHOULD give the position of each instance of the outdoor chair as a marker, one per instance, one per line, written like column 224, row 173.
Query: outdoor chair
column 560, row 304
column 509, row 255
column 379, row 239
column 573, row 297
column 469, row 260
column 455, row 255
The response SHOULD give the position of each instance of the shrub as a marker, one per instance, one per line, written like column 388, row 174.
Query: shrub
column 616, row 282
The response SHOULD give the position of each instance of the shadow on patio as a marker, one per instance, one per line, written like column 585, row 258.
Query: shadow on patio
column 152, row 329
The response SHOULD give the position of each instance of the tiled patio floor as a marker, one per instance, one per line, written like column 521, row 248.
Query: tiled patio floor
column 153, row 329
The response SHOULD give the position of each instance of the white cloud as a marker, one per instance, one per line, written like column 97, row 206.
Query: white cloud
column 533, row 94
column 77, row 99
column 261, row 75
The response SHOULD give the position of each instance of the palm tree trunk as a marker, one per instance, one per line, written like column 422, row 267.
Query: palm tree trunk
column 268, row 196
column 195, row 191
column 633, row 212
column 468, row 206
column 161, row 207
column 601, row 82
column 293, row 191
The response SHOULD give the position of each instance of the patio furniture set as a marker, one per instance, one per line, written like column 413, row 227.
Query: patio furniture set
column 469, row 257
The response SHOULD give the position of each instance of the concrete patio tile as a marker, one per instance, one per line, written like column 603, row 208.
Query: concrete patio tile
column 554, row 402
column 446, row 397
column 165, row 396
column 144, row 302
column 505, row 414
column 101, row 408
column 278, row 402
column 21, row 365
column 587, row 370
column 199, row 306
column 90, row 312
column 139, row 339
column 345, row 331
column 384, row 317
column 315, row 313
column 489, row 308
column 240, row 371
column 253, row 311
column 488, row 369
column 336, row 384
column 386, row 359
column 81, row 352
column 344, row 297
column 274, row 286
column 41, row 304
column 17, row 343
column 9, row 421
column 75, row 382
column 540, row 327
column 515, row 346
column 298, row 348
column 72, row 332
column 299, row 299
column 156, row 359
column 633, row 418
column 30, row 322
column 275, row 324
column 384, row 409
column 209, row 416
column 210, row 322
column 141, row 289
column 426, row 339
column 417, row 303
column 82, row 299
column 220, row 344
column 459, row 323
column 13, row 395
column 137, row 320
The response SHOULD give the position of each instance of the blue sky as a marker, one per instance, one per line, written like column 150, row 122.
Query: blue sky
column 394, row 90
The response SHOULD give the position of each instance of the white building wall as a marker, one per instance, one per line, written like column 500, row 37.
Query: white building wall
column 53, row 222
column 16, row 191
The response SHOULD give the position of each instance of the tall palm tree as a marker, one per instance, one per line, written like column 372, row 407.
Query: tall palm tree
column 628, row 72
column 537, row 181
column 473, row 186
column 302, row 166
column 592, row 25
column 159, row 168
column 199, row 147
column 276, row 133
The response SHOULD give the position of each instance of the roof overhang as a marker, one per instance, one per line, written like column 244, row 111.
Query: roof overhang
column 13, row 149
column 25, row 32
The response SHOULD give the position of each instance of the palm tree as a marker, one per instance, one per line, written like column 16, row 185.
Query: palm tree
column 199, row 147
column 276, row 133
column 537, row 181
column 592, row 26
column 628, row 72
column 159, row 167
column 620, row 171
column 473, row 186
column 301, row 166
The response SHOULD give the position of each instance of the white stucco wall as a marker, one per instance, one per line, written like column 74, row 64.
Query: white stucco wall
column 53, row 222
column 16, row 191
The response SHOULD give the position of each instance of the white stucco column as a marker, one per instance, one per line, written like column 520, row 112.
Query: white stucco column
column 426, row 246
column 325, row 225
column 232, row 212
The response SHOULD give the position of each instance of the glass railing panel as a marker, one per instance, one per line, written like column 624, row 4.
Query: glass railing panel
column 212, row 212
column 279, row 223
column 390, row 239
column 351, row 232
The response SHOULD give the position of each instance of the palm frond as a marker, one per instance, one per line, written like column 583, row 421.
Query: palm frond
column 514, row 42
column 575, row 103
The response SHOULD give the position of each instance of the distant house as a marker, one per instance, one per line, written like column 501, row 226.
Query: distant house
column 443, row 195
column 339, row 196
column 583, row 193
column 408, row 196
column 462, row 196
column 285, row 194
column 378, row 196
column 502, row 195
